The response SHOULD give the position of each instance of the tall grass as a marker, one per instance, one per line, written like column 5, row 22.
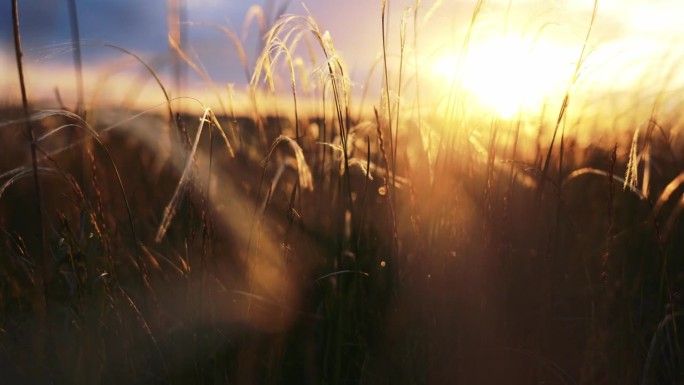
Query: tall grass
column 400, row 244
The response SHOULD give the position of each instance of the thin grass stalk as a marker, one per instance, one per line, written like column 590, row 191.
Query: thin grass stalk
column 514, row 149
column 305, row 180
column 99, row 211
column 323, row 129
column 611, row 218
column 94, row 134
column 667, row 140
column 491, row 159
column 41, row 303
column 151, row 72
column 176, row 46
column 667, row 193
column 594, row 171
column 632, row 169
column 256, row 208
column 304, row 173
column 364, row 196
column 402, row 46
column 254, row 12
column 339, row 96
column 402, row 50
column 21, row 173
column 395, row 244
column 173, row 28
column 445, row 150
column 256, row 116
column 387, row 84
column 366, row 83
column 235, row 130
column 344, row 131
column 566, row 97
column 674, row 216
column 652, row 122
column 393, row 229
column 661, row 235
column 145, row 326
column 76, row 45
column 559, row 195
column 284, row 49
column 416, row 7
column 646, row 155
column 452, row 100
column 24, row 102
column 170, row 210
column 207, row 234
column 233, row 37
column 47, row 113
column 339, row 329
column 657, row 337
column 78, row 66
column 334, row 69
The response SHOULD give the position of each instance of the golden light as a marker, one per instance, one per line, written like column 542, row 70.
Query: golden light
column 508, row 74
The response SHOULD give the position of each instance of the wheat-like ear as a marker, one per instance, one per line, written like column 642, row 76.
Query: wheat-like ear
column 632, row 173
column 278, row 47
column 283, row 38
column 305, row 177
column 255, row 12
column 646, row 182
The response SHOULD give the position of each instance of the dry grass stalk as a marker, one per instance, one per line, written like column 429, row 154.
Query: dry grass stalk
column 170, row 209
column 631, row 180
column 566, row 98
column 303, row 171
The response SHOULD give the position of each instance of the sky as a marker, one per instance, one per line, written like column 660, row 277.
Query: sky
column 632, row 37
column 141, row 27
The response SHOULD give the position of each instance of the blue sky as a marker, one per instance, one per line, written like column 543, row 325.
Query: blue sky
column 141, row 27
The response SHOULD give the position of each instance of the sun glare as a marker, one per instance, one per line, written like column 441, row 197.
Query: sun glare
column 507, row 74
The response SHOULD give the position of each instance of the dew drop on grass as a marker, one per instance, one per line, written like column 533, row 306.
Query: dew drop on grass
column 383, row 264
column 382, row 191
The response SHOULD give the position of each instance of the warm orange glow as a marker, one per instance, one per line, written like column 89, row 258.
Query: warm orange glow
column 508, row 74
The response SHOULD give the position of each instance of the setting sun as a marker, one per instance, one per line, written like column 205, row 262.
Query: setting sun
column 508, row 74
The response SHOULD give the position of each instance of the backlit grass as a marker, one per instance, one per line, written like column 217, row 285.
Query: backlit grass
column 420, row 234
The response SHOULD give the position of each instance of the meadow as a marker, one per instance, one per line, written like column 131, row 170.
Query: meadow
column 318, row 236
